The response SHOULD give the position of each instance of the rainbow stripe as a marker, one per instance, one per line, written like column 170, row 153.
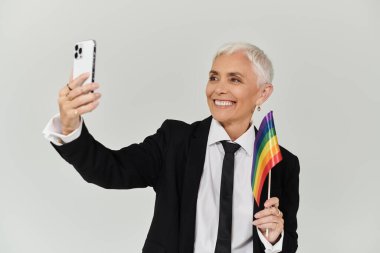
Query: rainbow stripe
column 266, row 155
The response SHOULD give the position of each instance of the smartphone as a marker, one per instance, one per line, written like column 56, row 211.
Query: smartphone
column 84, row 59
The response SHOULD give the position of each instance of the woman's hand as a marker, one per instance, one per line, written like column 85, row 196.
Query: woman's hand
column 75, row 100
column 271, row 218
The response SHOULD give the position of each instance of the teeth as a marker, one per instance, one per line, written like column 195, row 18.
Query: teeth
column 223, row 103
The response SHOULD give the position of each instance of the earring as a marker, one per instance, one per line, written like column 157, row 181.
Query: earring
column 258, row 108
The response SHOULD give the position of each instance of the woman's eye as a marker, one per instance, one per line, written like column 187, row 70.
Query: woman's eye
column 235, row 80
column 212, row 78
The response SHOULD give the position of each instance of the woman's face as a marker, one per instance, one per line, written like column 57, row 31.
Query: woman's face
column 232, row 89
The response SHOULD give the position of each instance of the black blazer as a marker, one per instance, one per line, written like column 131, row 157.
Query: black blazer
column 171, row 161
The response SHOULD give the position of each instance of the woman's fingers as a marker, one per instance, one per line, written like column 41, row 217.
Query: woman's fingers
column 275, row 224
column 272, row 202
column 267, row 220
column 82, row 90
column 268, row 211
column 84, row 99
column 79, row 80
column 87, row 107
column 268, row 225
column 65, row 90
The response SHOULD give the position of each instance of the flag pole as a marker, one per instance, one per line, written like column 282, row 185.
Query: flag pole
column 269, row 183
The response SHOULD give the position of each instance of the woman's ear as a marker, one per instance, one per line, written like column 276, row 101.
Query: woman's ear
column 264, row 93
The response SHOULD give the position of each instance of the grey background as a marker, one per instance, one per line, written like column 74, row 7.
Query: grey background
column 152, row 63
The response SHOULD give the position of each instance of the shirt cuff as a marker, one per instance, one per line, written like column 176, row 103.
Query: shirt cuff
column 269, row 248
column 53, row 131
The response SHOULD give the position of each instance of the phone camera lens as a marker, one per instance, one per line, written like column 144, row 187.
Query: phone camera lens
column 76, row 47
column 76, row 55
column 80, row 50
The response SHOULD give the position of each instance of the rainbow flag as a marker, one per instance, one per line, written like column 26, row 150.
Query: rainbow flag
column 266, row 154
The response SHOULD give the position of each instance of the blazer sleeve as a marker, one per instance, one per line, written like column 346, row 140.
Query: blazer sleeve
column 290, row 204
column 134, row 166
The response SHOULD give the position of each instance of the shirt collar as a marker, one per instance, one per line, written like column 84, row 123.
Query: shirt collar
column 218, row 133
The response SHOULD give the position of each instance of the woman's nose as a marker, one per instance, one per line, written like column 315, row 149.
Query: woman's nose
column 221, row 87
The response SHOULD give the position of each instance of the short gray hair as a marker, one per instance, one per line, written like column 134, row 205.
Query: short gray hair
column 260, row 61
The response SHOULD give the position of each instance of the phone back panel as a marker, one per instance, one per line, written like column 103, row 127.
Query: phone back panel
column 84, row 59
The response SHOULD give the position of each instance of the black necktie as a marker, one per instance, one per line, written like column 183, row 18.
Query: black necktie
column 223, row 242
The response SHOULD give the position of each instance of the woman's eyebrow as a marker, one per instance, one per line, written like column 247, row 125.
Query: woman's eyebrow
column 235, row 74
column 238, row 74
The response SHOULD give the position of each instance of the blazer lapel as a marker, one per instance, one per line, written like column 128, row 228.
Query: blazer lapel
column 192, row 176
column 255, row 235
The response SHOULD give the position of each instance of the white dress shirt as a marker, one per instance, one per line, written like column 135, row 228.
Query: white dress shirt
column 207, row 213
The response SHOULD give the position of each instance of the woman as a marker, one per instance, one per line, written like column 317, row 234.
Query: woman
column 184, row 163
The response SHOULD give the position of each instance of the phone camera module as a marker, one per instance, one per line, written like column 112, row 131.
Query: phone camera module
column 78, row 52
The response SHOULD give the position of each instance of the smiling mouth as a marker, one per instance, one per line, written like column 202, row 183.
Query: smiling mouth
column 223, row 103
